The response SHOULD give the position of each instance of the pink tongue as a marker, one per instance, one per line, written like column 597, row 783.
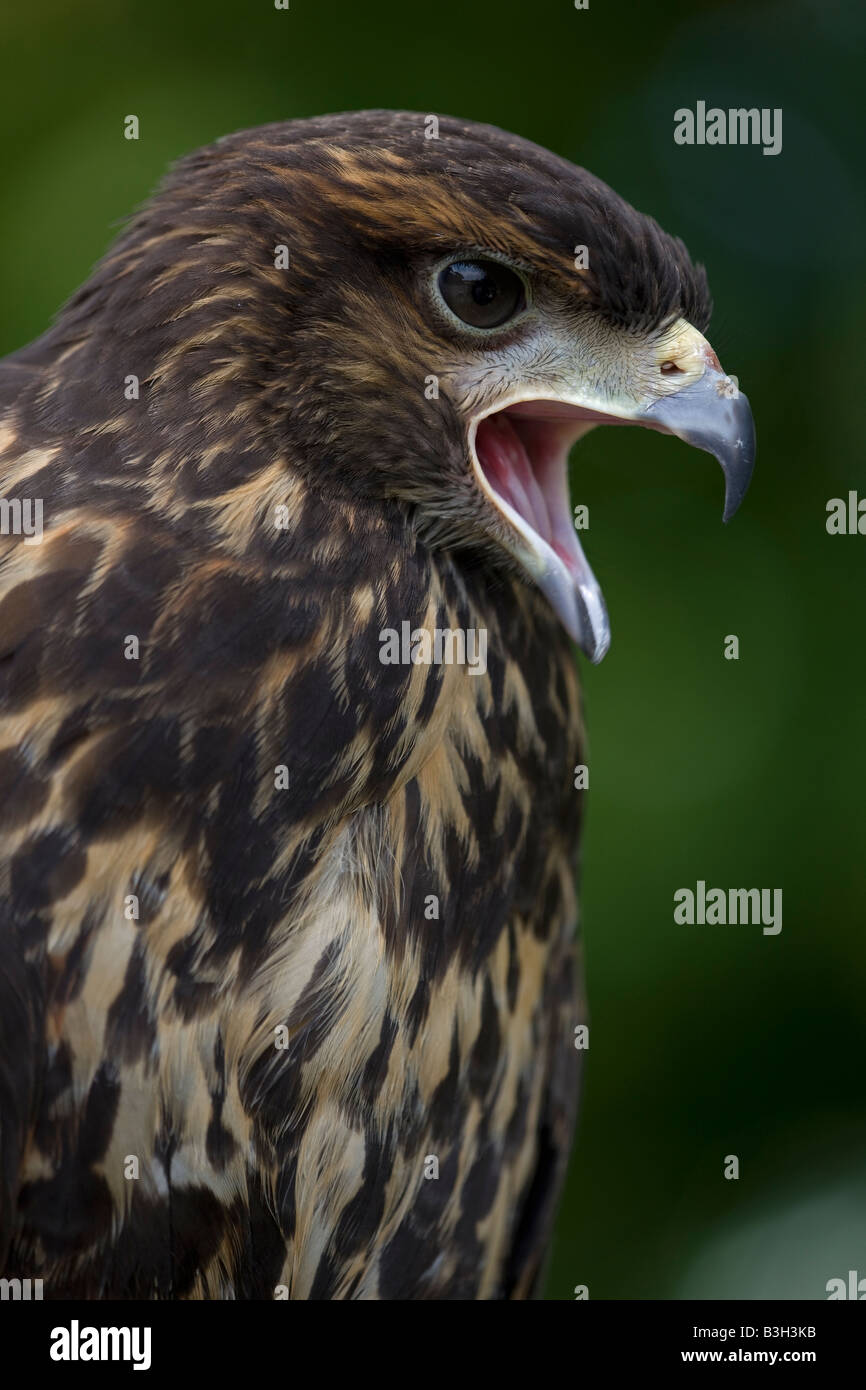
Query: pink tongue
column 508, row 470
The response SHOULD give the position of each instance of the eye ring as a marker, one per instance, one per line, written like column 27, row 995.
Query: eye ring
column 483, row 294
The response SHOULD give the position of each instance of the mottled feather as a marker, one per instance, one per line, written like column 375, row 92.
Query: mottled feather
column 263, row 908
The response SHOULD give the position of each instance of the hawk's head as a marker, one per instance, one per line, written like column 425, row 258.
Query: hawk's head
column 412, row 313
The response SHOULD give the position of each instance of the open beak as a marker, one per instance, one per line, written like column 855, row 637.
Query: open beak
column 520, row 455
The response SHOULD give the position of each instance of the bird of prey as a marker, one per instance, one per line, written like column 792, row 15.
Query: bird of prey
column 290, row 716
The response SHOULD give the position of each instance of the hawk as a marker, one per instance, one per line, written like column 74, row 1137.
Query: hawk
column 289, row 712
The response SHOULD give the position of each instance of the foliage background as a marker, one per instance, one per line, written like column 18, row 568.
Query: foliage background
column 705, row 1041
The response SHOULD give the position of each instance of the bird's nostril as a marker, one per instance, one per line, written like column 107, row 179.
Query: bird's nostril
column 669, row 368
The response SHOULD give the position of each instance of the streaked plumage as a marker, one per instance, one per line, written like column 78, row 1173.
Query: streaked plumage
column 263, row 908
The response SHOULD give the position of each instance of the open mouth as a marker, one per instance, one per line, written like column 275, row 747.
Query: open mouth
column 520, row 456
column 523, row 453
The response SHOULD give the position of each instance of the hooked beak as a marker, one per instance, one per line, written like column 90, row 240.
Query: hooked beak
column 713, row 415
column 520, row 455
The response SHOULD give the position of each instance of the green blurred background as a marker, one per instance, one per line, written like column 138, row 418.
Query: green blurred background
column 705, row 1041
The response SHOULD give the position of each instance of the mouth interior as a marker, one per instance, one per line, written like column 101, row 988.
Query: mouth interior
column 521, row 457
column 523, row 453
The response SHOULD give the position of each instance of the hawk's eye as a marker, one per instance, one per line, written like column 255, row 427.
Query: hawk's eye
column 484, row 294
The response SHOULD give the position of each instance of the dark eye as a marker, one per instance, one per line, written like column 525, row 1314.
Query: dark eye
column 484, row 294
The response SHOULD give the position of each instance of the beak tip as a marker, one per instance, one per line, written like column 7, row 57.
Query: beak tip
column 597, row 657
column 592, row 633
column 738, row 472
